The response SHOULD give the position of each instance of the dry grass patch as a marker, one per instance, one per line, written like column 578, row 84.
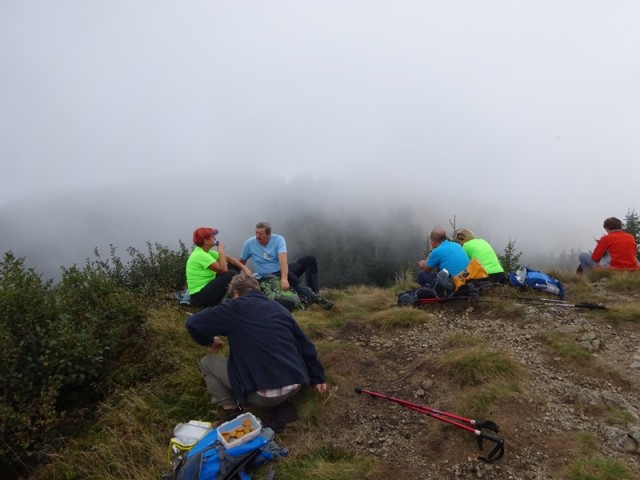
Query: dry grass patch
column 588, row 464
column 481, row 401
column 323, row 462
column 616, row 416
column 478, row 365
column 406, row 279
column 572, row 355
column 317, row 324
column 121, row 446
column 576, row 457
column 358, row 302
column 620, row 313
column 565, row 347
column 399, row 317
column 503, row 307
column 616, row 280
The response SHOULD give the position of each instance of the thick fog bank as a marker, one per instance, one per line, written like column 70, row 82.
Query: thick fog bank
column 64, row 228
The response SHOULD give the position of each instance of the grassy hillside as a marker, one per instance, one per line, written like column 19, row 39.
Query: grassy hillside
column 535, row 369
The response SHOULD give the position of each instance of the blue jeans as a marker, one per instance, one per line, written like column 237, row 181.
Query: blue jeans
column 587, row 263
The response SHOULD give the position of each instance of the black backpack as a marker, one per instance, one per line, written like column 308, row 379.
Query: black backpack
column 411, row 298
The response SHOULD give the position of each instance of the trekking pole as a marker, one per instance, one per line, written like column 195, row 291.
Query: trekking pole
column 426, row 301
column 557, row 303
column 467, row 424
column 590, row 306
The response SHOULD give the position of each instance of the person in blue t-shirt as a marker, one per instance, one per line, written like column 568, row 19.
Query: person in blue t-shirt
column 268, row 251
column 446, row 255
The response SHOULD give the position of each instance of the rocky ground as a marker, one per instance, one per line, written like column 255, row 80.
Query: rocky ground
column 558, row 398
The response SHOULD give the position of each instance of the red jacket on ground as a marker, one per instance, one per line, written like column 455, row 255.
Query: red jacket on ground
column 621, row 246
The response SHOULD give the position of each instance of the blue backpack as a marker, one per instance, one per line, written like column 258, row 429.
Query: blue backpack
column 528, row 277
column 210, row 460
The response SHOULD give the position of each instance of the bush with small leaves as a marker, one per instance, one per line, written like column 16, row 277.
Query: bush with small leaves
column 58, row 346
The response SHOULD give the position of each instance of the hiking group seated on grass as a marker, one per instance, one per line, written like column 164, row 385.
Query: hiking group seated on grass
column 209, row 270
column 450, row 265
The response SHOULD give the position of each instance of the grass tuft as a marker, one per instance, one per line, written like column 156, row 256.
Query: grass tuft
column 566, row 348
column 323, row 462
column 623, row 313
column 616, row 280
column 482, row 401
column 600, row 468
column 478, row 365
column 399, row 317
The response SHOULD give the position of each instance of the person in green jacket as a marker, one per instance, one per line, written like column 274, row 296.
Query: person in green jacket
column 480, row 249
column 208, row 269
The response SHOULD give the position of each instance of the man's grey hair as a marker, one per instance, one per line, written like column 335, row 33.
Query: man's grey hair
column 265, row 225
column 242, row 283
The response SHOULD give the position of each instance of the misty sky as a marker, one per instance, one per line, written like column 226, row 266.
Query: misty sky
column 532, row 106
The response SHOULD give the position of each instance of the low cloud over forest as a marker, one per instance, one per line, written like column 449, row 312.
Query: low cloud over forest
column 355, row 231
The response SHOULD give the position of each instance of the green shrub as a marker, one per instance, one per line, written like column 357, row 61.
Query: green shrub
column 27, row 395
column 153, row 273
column 112, row 315
column 56, row 346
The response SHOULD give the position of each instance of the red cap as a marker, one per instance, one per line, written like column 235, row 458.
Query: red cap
column 202, row 233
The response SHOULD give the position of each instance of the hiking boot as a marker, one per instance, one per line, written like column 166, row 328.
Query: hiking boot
column 279, row 416
column 323, row 302
column 226, row 415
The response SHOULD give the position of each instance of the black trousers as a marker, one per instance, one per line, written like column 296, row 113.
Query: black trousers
column 213, row 293
column 307, row 266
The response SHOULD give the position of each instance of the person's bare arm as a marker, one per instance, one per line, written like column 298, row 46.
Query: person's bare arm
column 423, row 265
column 238, row 264
column 221, row 265
column 284, row 270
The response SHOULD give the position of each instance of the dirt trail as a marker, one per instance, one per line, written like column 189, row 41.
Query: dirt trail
column 557, row 398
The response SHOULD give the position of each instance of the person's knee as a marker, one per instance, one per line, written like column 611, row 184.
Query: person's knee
column 305, row 263
column 585, row 259
column 209, row 363
column 206, row 364
column 312, row 263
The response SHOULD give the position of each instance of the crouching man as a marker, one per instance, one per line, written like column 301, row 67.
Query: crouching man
column 270, row 357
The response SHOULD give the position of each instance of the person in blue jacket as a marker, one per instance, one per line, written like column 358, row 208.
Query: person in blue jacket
column 270, row 357
column 446, row 255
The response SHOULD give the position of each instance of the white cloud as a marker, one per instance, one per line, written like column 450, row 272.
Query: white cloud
column 531, row 105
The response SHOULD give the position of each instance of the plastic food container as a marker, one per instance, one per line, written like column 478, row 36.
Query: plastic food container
column 188, row 434
column 240, row 430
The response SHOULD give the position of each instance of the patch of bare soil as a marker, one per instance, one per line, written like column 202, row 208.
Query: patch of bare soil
column 558, row 399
